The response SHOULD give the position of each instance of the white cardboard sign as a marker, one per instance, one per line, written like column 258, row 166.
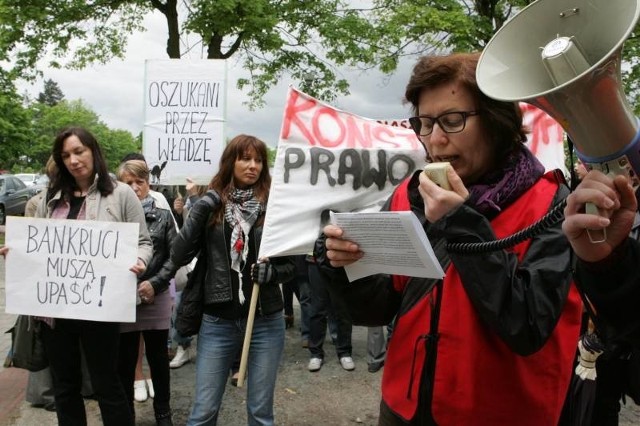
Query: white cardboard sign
column 184, row 110
column 71, row 269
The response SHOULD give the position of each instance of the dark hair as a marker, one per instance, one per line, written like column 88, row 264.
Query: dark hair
column 64, row 181
column 133, row 156
column 501, row 121
column 222, row 182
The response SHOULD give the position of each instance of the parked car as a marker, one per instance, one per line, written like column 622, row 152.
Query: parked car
column 14, row 195
column 29, row 179
column 41, row 183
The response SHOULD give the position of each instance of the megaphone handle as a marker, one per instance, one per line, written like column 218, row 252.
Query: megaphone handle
column 595, row 235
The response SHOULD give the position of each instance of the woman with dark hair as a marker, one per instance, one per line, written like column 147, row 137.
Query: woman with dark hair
column 225, row 227
column 153, row 314
column 494, row 341
column 82, row 189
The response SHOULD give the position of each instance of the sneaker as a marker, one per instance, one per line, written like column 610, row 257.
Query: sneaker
column 182, row 357
column 347, row 363
column 140, row 390
column 315, row 364
column 152, row 393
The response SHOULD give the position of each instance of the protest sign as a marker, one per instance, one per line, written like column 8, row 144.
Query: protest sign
column 545, row 139
column 329, row 159
column 71, row 269
column 184, row 110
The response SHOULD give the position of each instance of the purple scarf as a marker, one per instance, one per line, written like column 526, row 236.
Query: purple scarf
column 500, row 188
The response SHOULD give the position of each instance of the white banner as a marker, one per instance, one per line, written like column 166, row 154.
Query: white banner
column 545, row 138
column 329, row 159
column 71, row 269
column 184, row 115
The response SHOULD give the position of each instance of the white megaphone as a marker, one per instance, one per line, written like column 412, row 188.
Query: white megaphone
column 564, row 57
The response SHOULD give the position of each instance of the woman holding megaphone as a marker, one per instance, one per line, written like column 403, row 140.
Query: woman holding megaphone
column 493, row 343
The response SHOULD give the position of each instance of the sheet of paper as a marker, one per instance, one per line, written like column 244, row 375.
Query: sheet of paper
column 392, row 243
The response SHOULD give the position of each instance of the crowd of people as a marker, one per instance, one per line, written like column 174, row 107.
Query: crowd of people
column 493, row 342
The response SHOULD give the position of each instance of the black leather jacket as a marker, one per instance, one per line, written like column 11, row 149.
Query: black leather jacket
column 162, row 231
column 197, row 234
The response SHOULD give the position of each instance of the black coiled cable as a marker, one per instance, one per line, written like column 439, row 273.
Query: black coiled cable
column 552, row 218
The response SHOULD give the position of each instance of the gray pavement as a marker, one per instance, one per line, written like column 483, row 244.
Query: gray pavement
column 330, row 397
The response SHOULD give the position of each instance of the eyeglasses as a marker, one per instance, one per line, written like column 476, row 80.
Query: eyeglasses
column 449, row 122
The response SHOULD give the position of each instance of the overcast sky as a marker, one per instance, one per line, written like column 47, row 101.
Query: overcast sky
column 115, row 91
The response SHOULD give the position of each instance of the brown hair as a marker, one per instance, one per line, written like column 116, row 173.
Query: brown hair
column 222, row 182
column 501, row 121
column 137, row 168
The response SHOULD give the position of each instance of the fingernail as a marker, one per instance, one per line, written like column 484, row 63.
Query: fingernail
column 608, row 203
column 604, row 221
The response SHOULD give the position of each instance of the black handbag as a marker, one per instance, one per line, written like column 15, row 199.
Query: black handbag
column 27, row 347
column 190, row 308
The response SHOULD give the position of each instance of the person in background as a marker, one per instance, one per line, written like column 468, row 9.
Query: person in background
column 160, row 199
column 300, row 287
column 499, row 330
column 82, row 189
column 181, row 211
column 606, row 272
column 154, row 312
column 377, row 342
column 142, row 386
column 226, row 224
column 580, row 169
column 181, row 205
column 323, row 305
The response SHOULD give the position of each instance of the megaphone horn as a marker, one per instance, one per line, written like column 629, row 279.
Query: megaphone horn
column 564, row 57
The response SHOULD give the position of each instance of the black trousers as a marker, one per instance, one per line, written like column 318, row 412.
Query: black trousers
column 321, row 304
column 99, row 341
column 155, row 343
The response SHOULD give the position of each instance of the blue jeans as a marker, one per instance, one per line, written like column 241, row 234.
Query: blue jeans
column 219, row 341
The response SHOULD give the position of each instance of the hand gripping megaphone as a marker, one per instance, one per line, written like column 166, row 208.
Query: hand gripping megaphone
column 564, row 57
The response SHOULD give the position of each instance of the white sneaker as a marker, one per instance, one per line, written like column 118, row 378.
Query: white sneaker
column 347, row 363
column 140, row 390
column 182, row 357
column 315, row 364
column 152, row 393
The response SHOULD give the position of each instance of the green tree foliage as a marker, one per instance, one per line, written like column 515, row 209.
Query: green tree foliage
column 308, row 40
column 81, row 32
column 49, row 120
column 300, row 37
column 305, row 39
column 631, row 67
column 51, row 95
column 15, row 131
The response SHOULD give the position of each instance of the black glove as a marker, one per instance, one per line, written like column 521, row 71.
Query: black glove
column 262, row 273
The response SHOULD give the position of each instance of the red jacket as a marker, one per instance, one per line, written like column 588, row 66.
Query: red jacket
column 479, row 379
